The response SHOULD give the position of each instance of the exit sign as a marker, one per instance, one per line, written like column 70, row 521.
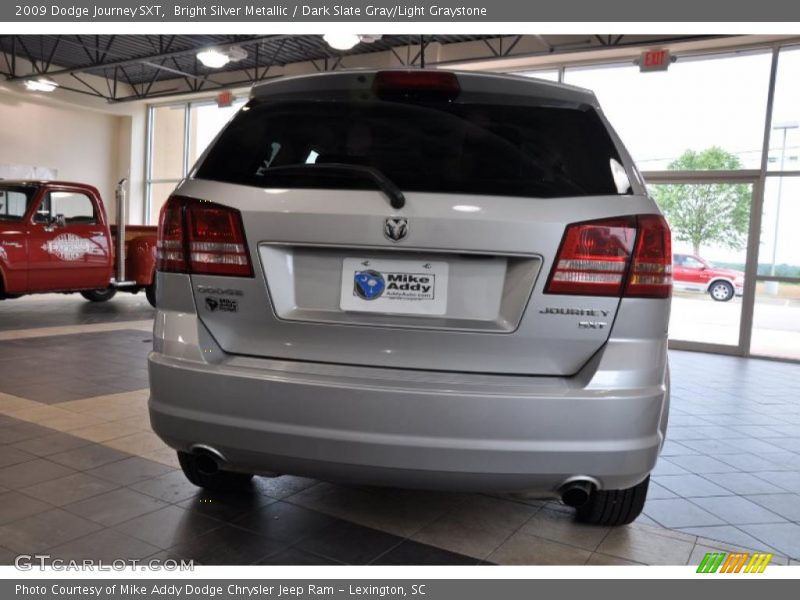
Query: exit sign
column 225, row 99
column 655, row 60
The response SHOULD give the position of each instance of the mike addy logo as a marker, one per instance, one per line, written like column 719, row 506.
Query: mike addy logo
column 370, row 284
column 221, row 304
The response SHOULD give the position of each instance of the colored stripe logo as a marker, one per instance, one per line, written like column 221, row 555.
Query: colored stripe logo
column 737, row 562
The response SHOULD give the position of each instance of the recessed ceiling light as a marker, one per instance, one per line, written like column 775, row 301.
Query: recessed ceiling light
column 40, row 85
column 341, row 41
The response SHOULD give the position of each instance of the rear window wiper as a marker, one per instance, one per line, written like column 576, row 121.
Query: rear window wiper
column 387, row 186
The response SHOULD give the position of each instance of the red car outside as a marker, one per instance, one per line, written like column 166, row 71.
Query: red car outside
column 691, row 273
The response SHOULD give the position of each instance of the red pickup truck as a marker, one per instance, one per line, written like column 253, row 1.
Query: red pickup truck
column 55, row 237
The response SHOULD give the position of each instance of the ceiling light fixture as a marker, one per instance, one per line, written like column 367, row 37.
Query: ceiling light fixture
column 216, row 58
column 341, row 41
column 213, row 59
column 40, row 85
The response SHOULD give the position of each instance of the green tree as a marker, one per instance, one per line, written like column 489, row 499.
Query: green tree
column 709, row 212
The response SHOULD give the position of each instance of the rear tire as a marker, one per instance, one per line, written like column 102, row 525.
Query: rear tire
column 150, row 292
column 99, row 295
column 614, row 507
column 219, row 481
column 721, row 291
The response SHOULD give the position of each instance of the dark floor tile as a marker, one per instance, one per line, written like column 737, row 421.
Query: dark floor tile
column 284, row 522
column 12, row 456
column 786, row 505
column 45, row 530
column 130, row 470
column 7, row 557
column 15, row 506
column 414, row 553
column 171, row 560
column 31, row 472
column 51, row 444
column 784, row 537
column 295, row 556
column 738, row 511
column 170, row 487
column 115, row 507
column 69, row 489
column 225, row 506
column 106, row 545
column 743, row 483
column 57, row 311
column 168, row 526
column 88, row 457
column 691, row 486
column 283, row 486
column 19, row 432
column 228, row 545
column 729, row 534
column 350, row 543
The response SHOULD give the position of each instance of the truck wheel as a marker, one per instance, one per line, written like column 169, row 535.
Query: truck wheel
column 614, row 507
column 150, row 292
column 99, row 295
column 721, row 291
column 211, row 479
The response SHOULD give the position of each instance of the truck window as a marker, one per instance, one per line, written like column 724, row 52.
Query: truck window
column 77, row 208
column 14, row 202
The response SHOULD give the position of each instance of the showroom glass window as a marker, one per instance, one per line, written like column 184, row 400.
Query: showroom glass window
column 697, row 104
column 178, row 135
column 776, row 328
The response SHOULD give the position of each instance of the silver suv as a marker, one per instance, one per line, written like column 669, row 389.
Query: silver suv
column 420, row 278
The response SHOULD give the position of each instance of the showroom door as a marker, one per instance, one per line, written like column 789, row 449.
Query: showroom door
column 714, row 273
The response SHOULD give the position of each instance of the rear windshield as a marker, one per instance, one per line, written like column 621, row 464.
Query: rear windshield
column 14, row 201
column 444, row 147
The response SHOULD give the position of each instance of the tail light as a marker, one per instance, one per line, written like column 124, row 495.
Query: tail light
column 624, row 256
column 651, row 272
column 439, row 84
column 170, row 254
column 200, row 237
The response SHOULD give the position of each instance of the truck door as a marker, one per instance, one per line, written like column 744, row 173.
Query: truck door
column 69, row 243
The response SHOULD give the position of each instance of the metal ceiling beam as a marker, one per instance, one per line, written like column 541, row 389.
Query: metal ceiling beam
column 148, row 58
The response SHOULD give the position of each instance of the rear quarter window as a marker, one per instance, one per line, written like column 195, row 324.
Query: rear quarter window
column 14, row 202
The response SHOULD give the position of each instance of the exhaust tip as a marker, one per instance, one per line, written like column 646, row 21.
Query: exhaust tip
column 577, row 493
column 207, row 459
column 206, row 465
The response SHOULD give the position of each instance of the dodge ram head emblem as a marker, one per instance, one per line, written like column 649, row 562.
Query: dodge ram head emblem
column 395, row 228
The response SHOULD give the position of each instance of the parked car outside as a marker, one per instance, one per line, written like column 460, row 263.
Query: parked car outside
column 692, row 273
column 417, row 278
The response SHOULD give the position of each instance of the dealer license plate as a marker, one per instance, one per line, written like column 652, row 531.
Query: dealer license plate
column 411, row 287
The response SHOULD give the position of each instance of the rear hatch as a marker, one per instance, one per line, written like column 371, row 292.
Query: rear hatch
column 411, row 220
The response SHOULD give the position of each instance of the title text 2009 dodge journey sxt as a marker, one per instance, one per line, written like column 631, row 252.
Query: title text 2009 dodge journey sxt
column 417, row 278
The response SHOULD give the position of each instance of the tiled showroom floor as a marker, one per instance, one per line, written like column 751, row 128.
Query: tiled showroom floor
column 82, row 475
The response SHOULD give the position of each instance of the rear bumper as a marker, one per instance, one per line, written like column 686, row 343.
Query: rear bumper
column 411, row 428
